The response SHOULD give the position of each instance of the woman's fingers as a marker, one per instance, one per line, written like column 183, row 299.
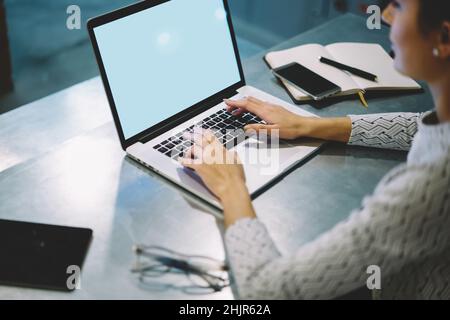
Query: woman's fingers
column 194, row 152
column 237, row 112
column 188, row 163
column 258, row 128
column 204, row 141
column 249, row 104
column 200, row 137
column 246, row 104
column 209, row 136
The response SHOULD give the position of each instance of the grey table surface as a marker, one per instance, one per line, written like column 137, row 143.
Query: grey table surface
column 61, row 163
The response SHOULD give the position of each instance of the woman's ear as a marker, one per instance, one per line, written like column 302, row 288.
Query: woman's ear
column 443, row 47
column 388, row 14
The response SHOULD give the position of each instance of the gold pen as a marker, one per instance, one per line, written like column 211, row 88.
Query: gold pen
column 363, row 99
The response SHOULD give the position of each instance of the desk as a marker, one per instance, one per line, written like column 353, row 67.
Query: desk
column 61, row 163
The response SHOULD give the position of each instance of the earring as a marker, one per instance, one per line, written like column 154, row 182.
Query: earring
column 436, row 52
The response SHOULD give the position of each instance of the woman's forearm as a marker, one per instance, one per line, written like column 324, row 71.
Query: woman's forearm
column 237, row 204
column 334, row 129
column 235, row 197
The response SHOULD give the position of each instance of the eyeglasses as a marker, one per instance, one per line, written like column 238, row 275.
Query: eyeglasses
column 205, row 274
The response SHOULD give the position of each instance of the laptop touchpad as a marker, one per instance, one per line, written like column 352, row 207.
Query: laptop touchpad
column 272, row 156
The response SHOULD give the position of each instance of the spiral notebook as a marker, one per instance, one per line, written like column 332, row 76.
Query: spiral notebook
column 365, row 56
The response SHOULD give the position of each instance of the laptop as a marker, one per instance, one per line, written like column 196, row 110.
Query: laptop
column 166, row 67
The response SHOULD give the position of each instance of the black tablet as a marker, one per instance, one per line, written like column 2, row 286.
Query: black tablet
column 42, row 256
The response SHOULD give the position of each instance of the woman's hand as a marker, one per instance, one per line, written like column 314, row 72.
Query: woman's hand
column 289, row 126
column 222, row 172
column 219, row 168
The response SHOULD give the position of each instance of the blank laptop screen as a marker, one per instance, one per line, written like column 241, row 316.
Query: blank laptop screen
column 162, row 60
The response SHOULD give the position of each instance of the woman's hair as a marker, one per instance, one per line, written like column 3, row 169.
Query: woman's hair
column 432, row 13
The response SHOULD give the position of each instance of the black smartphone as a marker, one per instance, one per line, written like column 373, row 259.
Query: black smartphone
column 307, row 80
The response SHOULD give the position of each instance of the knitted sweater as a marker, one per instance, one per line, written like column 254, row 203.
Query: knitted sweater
column 403, row 227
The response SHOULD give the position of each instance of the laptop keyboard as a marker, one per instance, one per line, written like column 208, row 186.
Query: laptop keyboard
column 228, row 128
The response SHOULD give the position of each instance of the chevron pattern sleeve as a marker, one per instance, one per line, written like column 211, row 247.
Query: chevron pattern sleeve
column 388, row 131
column 403, row 223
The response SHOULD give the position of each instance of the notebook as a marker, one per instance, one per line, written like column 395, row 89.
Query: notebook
column 365, row 56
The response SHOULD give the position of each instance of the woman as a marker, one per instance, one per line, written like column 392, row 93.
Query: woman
column 404, row 227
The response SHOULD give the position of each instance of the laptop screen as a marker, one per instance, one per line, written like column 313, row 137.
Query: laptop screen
column 165, row 59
